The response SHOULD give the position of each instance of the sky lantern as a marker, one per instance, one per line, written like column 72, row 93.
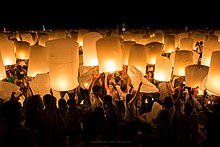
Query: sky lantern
column 169, row 43
column 163, row 69
column 63, row 60
column 56, row 34
column 194, row 74
column 137, row 57
column 81, row 33
column 109, row 54
column 38, row 60
column 186, row 44
column 42, row 38
column 182, row 35
column 2, row 68
column 208, row 48
column 22, row 49
column 8, row 51
column 153, row 50
column 197, row 36
column 28, row 37
column 126, row 48
column 89, row 48
column 127, row 36
column 213, row 78
column 182, row 59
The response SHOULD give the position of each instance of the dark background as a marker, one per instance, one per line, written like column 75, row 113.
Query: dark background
column 31, row 15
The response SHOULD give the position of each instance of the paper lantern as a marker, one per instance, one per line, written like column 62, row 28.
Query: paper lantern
column 137, row 57
column 28, row 38
column 42, row 38
column 57, row 34
column 186, row 44
column 127, row 36
column 8, row 52
column 153, row 50
column 163, row 69
column 126, row 48
column 38, row 60
column 197, row 36
column 208, row 48
column 169, row 43
column 182, row 59
column 2, row 68
column 63, row 59
column 74, row 35
column 182, row 35
column 194, row 75
column 213, row 79
column 109, row 54
column 22, row 49
column 81, row 33
column 89, row 48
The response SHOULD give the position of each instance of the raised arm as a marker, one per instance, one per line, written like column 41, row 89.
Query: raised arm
column 136, row 93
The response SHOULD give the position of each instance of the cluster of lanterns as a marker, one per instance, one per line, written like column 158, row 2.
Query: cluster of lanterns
column 57, row 53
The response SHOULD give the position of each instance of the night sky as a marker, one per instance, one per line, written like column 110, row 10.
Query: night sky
column 92, row 14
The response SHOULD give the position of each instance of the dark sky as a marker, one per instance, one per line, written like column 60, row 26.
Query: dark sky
column 101, row 14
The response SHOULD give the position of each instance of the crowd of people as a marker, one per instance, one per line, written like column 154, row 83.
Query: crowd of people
column 114, row 114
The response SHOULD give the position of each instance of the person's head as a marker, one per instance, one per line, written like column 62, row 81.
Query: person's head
column 62, row 104
column 71, row 103
column 111, row 86
column 107, row 100
column 168, row 102
column 117, row 79
column 47, row 98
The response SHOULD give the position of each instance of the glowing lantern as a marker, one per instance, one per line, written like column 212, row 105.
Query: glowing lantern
column 217, row 33
column 2, row 68
column 28, row 38
column 186, row 44
column 42, row 38
column 169, row 43
column 156, row 37
column 182, row 35
column 38, row 60
column 213, row 79
column 137, row 57
column 212, row 37
column 8, row 52
column 81, row 33
column 89, row 48
column 74, row 35
column 197, row 37
column 56, row 34
column 109, row 54
column 208, row 48
column 182, row 59
column 163, row 69
column 153, row 50
column 126, row 48
column 127, row 36
column 194, row 75
column 63, row 57
column 22, row 49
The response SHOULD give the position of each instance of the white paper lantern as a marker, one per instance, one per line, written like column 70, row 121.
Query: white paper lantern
column 186, row 44
column 22, row 49
column 8, row 52
column 89, row 48
column 182, row 35
column 109, row 54
column 56, row 34
column 63, row 57
column 42, row 38
column 213, row 79
column 126, row 48
column 38, row 60
column 197, row 36
column 208, row 48
column 169, row 43
column 28, row 38
column 153, row 50
column 194, row 75
column 137, row 57
column 2, row 68
column 163, row 69
column 182, row 59
column 81, row 33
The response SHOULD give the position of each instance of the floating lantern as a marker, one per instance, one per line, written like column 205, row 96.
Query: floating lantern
column 81, row 33
column 182, row 35
column 197, row 37
column 8, row 52
column 56, row 34
column 42, row 38
column 22, row 49
column 213, row 78
column 208, row 48
column 169, row 43
column 182, row 59
column 63, row 59
column 186, row 44
column 153, row 50
column 194, row 75
column 126, row 48
column 109, row 54
column 163, row 69
column 137, row 57
column 2, row 68
column 28, row 38
column 38, row 60
column 89, row 48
